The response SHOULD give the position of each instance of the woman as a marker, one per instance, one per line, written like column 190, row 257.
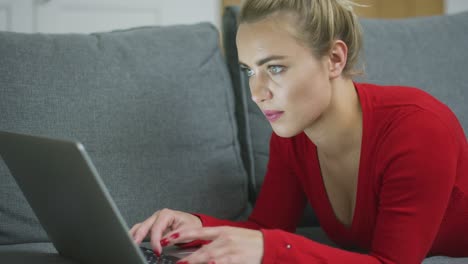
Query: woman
column 385, row 168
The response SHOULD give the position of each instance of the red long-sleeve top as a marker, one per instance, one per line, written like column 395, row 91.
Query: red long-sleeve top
column 412, row 195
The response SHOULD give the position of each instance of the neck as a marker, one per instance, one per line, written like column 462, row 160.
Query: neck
column 338, row 131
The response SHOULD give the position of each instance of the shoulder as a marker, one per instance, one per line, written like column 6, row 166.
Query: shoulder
column 391, row 110
column 406, row 125
column 384, row 96
column 417, row 139
column 419, row 125
column 416, row 150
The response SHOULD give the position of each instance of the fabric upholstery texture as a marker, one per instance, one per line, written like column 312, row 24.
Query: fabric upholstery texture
column 156, row 118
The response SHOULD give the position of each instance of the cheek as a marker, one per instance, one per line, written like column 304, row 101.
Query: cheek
column 296, row 89
column 308, row 96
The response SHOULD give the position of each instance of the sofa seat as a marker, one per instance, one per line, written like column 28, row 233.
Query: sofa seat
column 38, row 253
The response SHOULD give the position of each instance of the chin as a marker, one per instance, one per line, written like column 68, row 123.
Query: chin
column 285, row 132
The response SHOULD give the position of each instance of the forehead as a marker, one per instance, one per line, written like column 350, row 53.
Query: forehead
column 268, row 36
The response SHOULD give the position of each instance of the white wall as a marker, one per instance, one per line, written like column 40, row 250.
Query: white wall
column 192, row 11
column 455, row 6
column 84, row 16
column 62, row 16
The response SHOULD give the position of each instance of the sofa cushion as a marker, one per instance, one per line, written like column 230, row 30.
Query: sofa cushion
column 153, row 106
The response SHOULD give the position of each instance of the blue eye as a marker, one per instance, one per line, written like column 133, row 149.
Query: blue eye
column 249, row 72
column 276, row 69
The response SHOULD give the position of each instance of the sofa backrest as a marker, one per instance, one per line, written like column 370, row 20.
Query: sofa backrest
column 429, row 53
column 153, row 106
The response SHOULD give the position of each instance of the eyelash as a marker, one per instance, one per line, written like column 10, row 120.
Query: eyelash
column 276, row 66
column 250, row 72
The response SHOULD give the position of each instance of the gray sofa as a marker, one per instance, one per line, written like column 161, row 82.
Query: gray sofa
column 165, row 114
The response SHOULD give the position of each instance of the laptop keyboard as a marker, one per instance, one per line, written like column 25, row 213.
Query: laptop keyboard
column 151, row 258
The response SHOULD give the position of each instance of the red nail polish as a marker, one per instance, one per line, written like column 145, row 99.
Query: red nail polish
column 175, row 235
column 157, row 253
column 164, row 242
column 182, row 262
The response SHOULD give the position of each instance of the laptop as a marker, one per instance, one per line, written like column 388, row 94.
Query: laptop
column 63, row 188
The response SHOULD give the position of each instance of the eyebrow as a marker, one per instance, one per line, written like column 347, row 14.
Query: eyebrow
column 264, row 60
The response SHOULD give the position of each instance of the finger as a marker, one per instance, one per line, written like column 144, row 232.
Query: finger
column 168, row 230
column 187, row 235
column 133, row 229
column 164, row 221
column 142, row 231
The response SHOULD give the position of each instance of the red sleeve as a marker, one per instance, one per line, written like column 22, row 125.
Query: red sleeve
column 284, row 247
column 418, row 165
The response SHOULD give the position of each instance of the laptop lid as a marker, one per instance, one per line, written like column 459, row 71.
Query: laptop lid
column 69, row 198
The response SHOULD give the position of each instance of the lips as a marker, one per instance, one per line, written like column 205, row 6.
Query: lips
column 272, row 115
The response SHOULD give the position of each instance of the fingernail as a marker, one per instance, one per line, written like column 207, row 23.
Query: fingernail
column 157, row 253
column 175, row 235
column 164, row 242
column 182, row 262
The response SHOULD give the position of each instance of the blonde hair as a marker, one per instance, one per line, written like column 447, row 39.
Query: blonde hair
column 321, row 22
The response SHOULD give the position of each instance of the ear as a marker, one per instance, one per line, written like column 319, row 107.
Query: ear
column 337, row 58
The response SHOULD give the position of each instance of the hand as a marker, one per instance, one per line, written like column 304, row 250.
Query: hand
column 160, row 223
column 229, row 245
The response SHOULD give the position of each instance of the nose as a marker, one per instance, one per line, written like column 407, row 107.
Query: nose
column 259, row 89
